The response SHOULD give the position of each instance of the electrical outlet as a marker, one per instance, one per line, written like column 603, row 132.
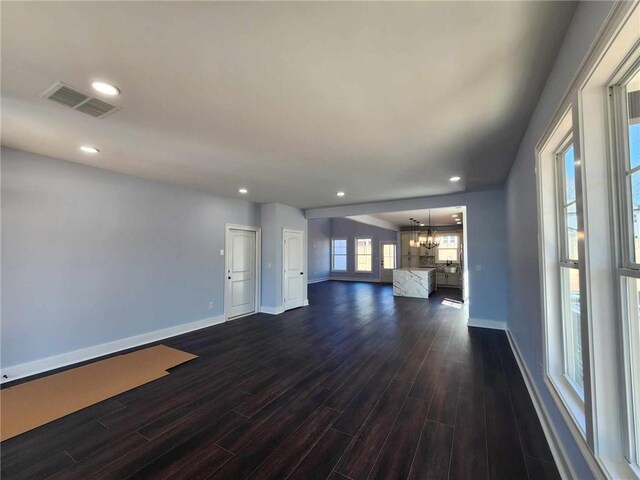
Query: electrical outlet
column 210, row 305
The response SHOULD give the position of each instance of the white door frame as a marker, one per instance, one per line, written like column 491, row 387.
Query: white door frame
column 381, row 258
column 247, row 228
column 284, row 279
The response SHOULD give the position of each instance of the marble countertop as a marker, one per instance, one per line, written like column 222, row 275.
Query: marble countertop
column 416, row 268
column 415, row 282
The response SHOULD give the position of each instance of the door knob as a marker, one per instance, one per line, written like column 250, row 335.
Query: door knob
column 301, row 273
column 229, row 278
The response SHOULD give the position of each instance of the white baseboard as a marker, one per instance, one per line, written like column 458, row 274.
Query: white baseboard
column 355, row 279
column 22, row 370
column 318, row 280
column 486, row 323
column 557, row 450
column 279, row 310
column 271, row 310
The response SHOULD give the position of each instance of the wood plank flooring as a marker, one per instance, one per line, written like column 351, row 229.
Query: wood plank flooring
column 359, row 385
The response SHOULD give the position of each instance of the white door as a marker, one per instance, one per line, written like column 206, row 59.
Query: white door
column 388, row 260
column 294, row 281
column 241, row 272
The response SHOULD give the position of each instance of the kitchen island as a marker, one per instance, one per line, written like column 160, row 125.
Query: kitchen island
column 414, row 282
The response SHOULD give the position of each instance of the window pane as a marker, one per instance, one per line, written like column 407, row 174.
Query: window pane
column 634, row 142
column 572, row 327
column 447, row 254
column 633, row 107
column 363, row 254
column 635, row 211
column 571, row 219
column 388, row 256
column 633, row 326
column 569, row 176
column 364, row 263
column 339, row 254
column 364, row 246
column 340, row 247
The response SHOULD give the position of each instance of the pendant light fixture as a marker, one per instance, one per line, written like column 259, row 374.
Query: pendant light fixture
column 431, row 237
column 422, row 240
column 412, row 242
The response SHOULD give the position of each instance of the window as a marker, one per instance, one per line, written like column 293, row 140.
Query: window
column 569, row 265
column 588, row 183
column 389, row 256
column 626, row 97
column 339, row 255
column 562, row 272
column 363, row 255
column 449, row 248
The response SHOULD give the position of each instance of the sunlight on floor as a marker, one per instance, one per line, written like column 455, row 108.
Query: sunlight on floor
column 452, row 303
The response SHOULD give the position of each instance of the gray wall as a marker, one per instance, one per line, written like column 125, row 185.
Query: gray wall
column 275, row 218
column 524, row 318
column 350, row 229
column 486, row 245
column 319, row 248
column 90, row 256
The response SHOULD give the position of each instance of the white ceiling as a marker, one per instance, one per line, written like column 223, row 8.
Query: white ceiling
column 439, row 217
column 292, row 100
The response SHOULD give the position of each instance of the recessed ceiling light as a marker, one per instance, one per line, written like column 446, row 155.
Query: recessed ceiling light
column 106, row 88
column 422, row 224
column 340, row 194
column 454, row 179
column 455, row 215
column 88, row 149
column 243, row 191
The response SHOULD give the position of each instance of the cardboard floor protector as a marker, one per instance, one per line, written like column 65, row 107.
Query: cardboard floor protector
column 32, row 404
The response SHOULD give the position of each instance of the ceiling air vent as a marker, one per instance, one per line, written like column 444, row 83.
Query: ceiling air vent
column 79, row 100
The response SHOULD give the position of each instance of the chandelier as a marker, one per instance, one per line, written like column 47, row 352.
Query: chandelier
column 416, row 240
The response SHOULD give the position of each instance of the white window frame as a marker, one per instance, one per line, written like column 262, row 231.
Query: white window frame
column 456, row 249
column 620, row 154
column 356, row 255
column 346, row 254
column 565, row 260
column 553, row 253
column 383, row 244
column 627, row 267
column 586, row 106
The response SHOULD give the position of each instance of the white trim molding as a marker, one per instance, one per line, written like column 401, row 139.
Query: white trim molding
column 487, row 323
column 272, row 310
column 586, row 108
column 557, row 449
column 279, row 310
column 258, row 270
column 23, row 370
column 356, row 279
column 318, row 280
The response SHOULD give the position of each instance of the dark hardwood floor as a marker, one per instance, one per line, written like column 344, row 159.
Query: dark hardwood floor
column 359, row 385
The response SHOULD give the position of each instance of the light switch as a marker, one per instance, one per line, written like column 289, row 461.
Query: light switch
column 222, row 252
column 478, row 268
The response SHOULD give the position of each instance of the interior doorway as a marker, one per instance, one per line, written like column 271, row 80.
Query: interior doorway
column 388, row 261
column 293, row 274
column 242, row 272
